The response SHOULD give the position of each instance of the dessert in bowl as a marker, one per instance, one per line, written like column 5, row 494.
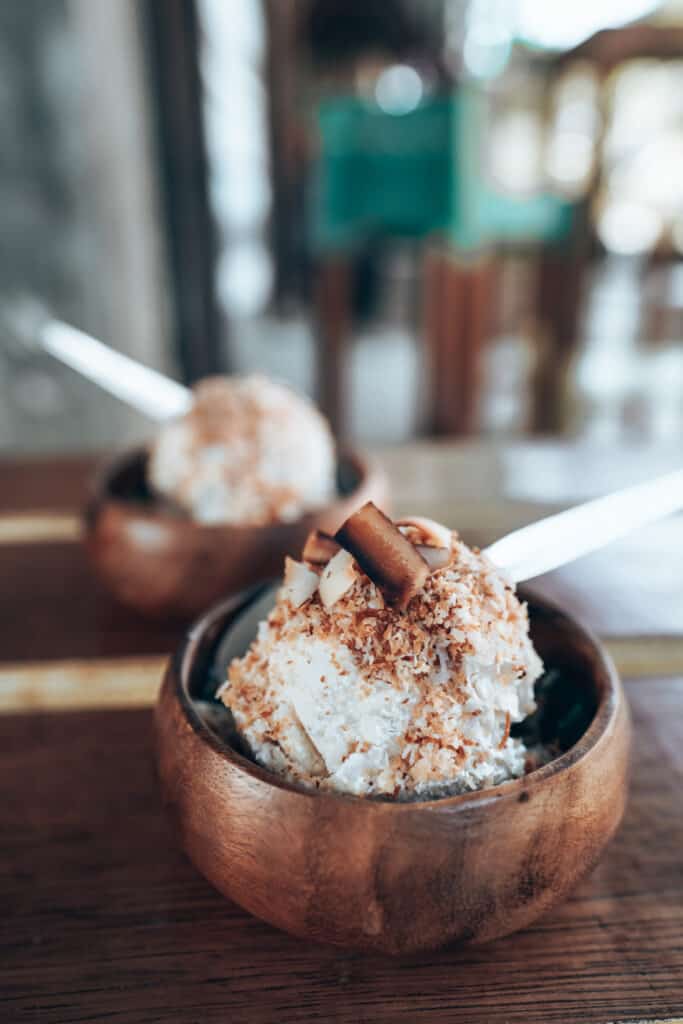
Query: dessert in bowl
column 368, row 766
column 220, row 496
column 248, row 451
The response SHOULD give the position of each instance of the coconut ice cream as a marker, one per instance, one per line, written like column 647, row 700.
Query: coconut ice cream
column 394, row 663
column 249, row 451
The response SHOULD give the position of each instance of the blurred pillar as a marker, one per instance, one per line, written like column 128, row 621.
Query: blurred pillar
column 333, row 302
column 560, row 289
column 126, row 303
column 457, row 313
column 173, row 44
column 287, row 146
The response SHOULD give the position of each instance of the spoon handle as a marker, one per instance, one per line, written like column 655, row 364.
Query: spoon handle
column 146, row 390
column 561, row 538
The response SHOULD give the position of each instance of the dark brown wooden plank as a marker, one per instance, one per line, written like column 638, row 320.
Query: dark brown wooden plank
column 103, row 919
column 52, row 606
column 54, row 482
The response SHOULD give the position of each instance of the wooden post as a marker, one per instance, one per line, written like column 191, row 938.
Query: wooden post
column 173, row 37
column 333, row 299
column 457, row 314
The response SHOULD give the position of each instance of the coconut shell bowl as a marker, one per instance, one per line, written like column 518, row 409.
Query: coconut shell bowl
column 384, row 876
column 156, row 559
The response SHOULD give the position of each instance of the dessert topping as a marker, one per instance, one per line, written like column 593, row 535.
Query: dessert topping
column 319, row 548
column 431, row 533
column 300, row 583
column 436, row 558
column 338, row 576
column 390, row 560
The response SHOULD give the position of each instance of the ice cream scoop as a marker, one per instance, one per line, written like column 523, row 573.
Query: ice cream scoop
column 244, row 450
column 233, row 533
column 379, row 674
column 249, row 450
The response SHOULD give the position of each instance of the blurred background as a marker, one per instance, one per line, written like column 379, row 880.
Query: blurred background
column 437, row 217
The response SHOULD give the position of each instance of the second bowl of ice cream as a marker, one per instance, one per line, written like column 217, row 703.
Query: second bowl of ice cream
column 393, row 749
column 220, row 496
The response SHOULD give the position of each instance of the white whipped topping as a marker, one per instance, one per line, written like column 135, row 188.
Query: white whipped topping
column 409, row 704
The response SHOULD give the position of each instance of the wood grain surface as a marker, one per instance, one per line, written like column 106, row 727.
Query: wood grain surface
column 45, row 482
column 483, row 489
column 37, row 528
column 103, row 919
column 53, row 607
column 72, row 684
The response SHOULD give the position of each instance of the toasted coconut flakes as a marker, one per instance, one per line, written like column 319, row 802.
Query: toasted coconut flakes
column 506, row 731
column 300, row 583
column 445, row 670
column 436, row 558
column 381, row 550
column 319, row 548
column 431, row 533
column 338, row 576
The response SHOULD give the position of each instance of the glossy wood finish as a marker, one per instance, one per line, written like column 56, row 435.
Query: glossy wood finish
column 37, row 579
column 105, row 919
column 382, row 876
column 164, row 564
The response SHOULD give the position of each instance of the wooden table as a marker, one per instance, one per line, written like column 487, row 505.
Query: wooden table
column 101, row 917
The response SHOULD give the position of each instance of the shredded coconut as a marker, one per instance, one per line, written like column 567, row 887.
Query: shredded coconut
column 367, row 699
column 249, row 451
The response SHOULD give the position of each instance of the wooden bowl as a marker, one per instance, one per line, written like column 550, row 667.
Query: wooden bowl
column 385, row 876
column 162, row 563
